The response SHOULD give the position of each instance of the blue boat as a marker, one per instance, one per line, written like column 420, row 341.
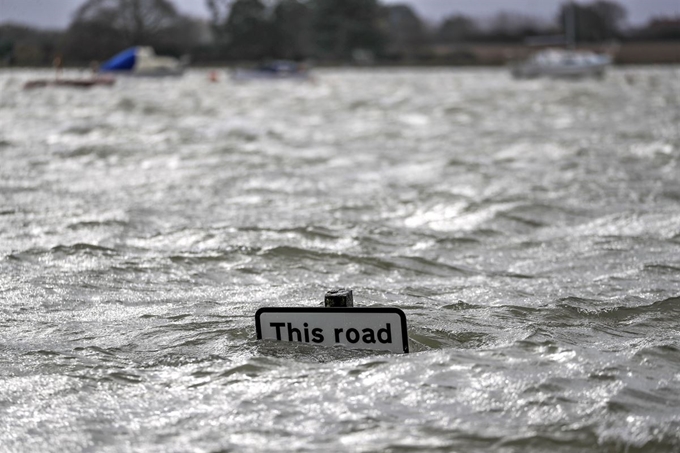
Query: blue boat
column 274, row 70
column 143, row 61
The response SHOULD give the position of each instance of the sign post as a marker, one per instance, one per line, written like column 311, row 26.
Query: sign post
column 339, row 297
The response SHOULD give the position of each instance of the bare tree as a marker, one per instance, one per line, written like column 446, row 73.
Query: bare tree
column 456, row 29
column 292, row 28
column 219, row 10
column 598, row 21
column 342, row 26
column 219, row 13
column 136, row 20
column 406, row 32
column 101, row 28
column 249, row 30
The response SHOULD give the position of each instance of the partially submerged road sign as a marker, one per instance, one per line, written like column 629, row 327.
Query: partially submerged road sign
column 381, row 329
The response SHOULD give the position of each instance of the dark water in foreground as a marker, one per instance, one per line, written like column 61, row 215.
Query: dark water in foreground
column 529, row 230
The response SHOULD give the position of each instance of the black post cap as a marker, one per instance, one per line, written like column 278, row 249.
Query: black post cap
column 339, row 297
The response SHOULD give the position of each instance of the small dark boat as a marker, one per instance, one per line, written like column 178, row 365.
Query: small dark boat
column 275, row 70
column 75, row 83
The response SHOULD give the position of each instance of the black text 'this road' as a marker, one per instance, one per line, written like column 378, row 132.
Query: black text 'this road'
column 317, row 335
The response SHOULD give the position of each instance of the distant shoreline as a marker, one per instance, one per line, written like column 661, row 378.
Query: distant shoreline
column 473, row 55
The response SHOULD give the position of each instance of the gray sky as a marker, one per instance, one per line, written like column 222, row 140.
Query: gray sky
column 58, row 13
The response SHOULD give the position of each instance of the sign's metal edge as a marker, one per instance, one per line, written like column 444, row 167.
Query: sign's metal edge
column 392, row 310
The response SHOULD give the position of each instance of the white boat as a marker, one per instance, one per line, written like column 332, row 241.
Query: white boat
column 563, row 64
column 143, row 61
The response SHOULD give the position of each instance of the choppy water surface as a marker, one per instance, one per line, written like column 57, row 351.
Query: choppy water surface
column 529, row 230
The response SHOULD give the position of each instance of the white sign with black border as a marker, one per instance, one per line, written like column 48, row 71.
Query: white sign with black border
column 381, row 329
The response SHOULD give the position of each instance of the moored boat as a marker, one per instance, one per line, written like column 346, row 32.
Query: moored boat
column 558, row 63
column 143, row 61
column 568, row 62
column 73, row 83
column 275, row 70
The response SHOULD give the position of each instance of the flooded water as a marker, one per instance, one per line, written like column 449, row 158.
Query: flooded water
column 529, row 230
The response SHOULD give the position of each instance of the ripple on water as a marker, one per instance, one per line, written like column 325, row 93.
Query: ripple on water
column 529, row 231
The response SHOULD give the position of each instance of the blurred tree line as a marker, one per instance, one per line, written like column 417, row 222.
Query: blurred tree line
column 324, row 30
